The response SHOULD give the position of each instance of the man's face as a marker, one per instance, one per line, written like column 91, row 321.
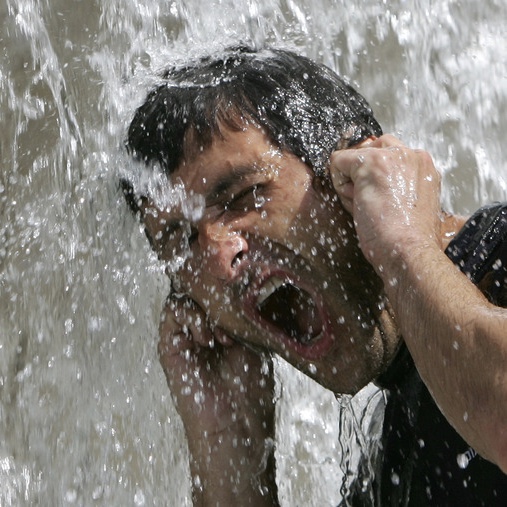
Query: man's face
column 272, row 259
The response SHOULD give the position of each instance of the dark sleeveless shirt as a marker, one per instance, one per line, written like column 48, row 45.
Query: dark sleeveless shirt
column 422, row 460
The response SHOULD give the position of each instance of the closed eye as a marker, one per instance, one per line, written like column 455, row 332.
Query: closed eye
column 177, row 236
column 246, row 200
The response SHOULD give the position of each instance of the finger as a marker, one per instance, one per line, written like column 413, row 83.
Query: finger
column 222, row 337
column 343, row 166
column 339, row 169
column 182, row 317
column 385, row 141
column 346, row 195
column 363, row 144
column 341, row 172
column 173, row 347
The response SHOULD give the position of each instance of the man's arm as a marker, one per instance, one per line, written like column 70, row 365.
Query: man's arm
column 224, row 395
column 457, row 339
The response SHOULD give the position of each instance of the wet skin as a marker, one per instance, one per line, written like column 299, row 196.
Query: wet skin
column 268, row 222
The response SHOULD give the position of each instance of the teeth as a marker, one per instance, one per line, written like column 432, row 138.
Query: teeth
column 269, row 288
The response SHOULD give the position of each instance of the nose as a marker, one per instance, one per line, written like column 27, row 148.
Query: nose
column 223, row 250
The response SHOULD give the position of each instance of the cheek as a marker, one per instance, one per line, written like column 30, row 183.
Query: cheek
column 197, row 281
column 272, row 224
column 318, row 237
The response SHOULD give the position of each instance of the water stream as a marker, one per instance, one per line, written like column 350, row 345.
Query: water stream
column 85, row 414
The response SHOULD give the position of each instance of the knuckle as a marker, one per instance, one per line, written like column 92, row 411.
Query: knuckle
column 398, row 152
column 426, row 162
column 424, row 156
column 388, row 140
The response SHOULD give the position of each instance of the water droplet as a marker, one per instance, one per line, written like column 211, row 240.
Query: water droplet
column 97, row 492
column 462, row 460
column 68, row 326
column 71, row 495
column 139, row 498
column 393, row 282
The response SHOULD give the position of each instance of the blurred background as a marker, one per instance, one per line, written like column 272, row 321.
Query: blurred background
column 85, row 415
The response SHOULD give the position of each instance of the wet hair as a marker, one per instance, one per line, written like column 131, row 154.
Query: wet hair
column 303, row 106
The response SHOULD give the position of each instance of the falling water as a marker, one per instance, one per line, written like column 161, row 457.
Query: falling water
column 85, row 415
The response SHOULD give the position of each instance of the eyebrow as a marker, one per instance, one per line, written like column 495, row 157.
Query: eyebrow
column 223, row 184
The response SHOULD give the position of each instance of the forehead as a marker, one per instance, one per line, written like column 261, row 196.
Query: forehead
column 231, row 155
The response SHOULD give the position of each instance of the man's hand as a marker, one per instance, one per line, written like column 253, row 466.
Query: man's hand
column 393, row 193
column 224, row 394
column 455, row 335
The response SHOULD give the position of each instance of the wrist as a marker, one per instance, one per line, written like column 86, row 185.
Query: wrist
column 407, row 264
column 245, row 464
column 233, row 435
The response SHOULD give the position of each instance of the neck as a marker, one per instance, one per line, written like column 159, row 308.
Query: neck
column 390, row 333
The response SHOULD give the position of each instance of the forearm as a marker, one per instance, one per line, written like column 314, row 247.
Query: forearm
column 458, row 341
column 234, row 467
column 224, row 393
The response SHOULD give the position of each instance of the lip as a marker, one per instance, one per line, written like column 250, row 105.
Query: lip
column 318, row 346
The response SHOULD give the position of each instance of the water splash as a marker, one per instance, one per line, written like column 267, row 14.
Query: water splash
column 84, row 410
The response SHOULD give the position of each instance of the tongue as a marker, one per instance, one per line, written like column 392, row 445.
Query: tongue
column 292, row 310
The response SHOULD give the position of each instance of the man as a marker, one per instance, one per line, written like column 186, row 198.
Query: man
column 242, row 206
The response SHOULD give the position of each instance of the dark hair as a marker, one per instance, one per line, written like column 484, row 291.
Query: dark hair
column 304, row 107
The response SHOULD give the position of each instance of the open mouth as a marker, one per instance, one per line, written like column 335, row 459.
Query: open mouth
column 290, row 309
